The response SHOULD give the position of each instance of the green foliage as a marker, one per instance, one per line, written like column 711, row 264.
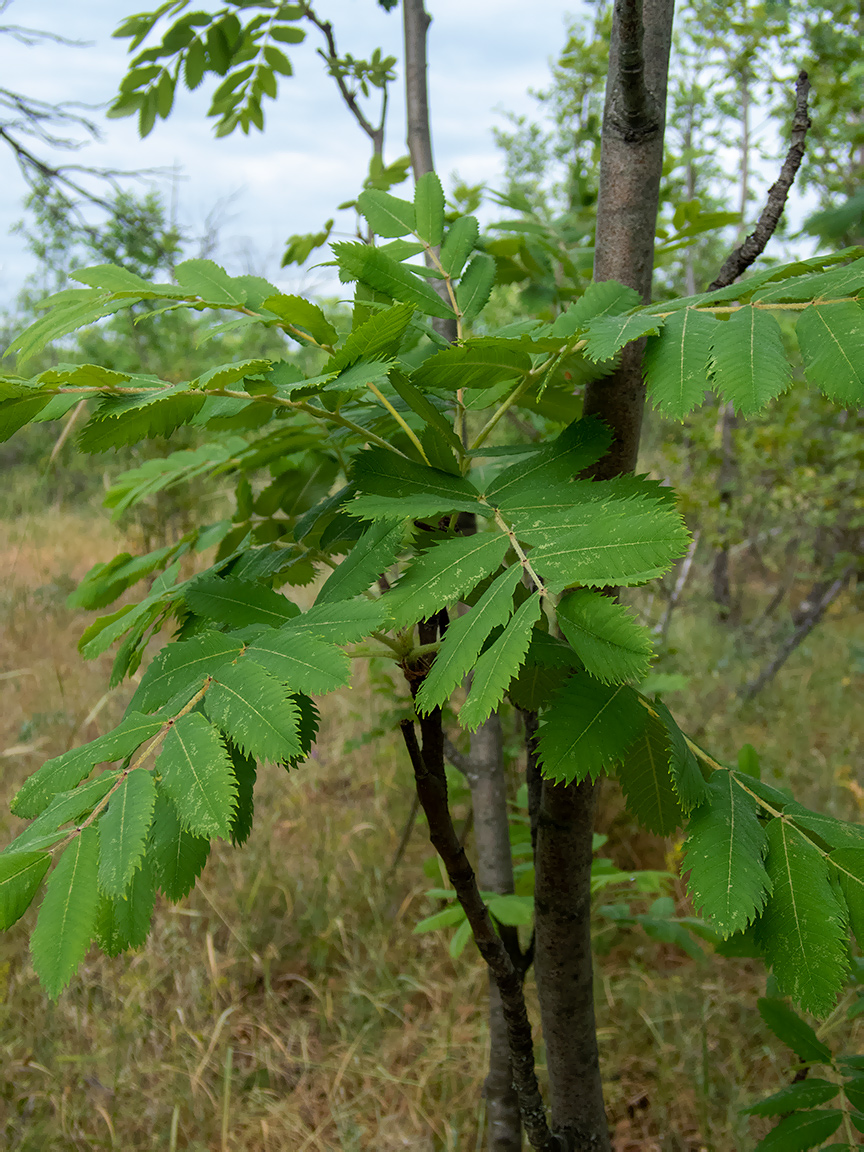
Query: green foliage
column 123, row 830
column 381, row 461
column 67, row 915
column 725, row 851
column 804, row 928
column 803, row 1122
column 587, row 726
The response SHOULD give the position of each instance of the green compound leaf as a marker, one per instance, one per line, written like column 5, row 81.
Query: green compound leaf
column 127, row 419
column 196, row 774
column 499, row 664
column 17, row 412
column 238, row 603
column 749, row 364
column 387, row 215
column 303, row 663
column 624, row 543
column 459, row 243
column 20, row 876
column 67, row 916
column 78, row 307
column 465, row 638
column 606, row 335
column 689, row 782
column 178, row 855
column 443, row 574
column 479, row 363
column 802, row 1130
column 376, row 550
column 587, row 727
column 847, row 864
column 300, row 313
column 73, row 805
column 64, row 772
column 808, row 1093
column 803, row 930
column 791, row 1030
column 184, row 666
column 676, row 362
column 123, row 922
column 724, row 855
column 429, row 209
column 245, row 774
column 601, row 298
column 225, row 375
column 123, row 831
column 581, row 444
column 407, row 486
column 606, row 637
column 836, row 833
column 379, row 338
column 371, row 265
column 831, row 339
column 206, row 279
column 647, row 782
column 344, row 622
column 476, row 286
column 250, row 705
column 431, row 415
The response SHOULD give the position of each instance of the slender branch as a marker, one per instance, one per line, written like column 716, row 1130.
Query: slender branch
column 331, row 56
column 517, row 548
column 459, row 762
column 432, row 792
column 801, row 632
column 406, row 835
column 662, row 627
column 743, row 256
column 412, row 436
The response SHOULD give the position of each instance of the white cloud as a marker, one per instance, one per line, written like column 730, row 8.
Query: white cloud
column 484, row 55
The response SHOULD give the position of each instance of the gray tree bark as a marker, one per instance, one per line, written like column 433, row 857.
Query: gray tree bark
column 630, row 168
column 484, row 771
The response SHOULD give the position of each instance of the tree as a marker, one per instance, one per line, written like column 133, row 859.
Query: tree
column 530, row 543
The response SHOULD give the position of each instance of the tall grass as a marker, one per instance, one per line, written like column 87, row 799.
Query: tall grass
column 287, row 1006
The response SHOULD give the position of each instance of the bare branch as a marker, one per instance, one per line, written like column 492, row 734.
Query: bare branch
column 743, row 256
column 801, row 632
column 330, row 57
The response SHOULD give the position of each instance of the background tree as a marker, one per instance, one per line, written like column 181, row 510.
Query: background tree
column 403, row 421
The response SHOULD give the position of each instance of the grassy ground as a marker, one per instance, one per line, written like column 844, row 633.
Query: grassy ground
column 286, row 1006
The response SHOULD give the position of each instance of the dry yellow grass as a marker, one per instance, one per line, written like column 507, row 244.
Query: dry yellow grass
column 286, row 1006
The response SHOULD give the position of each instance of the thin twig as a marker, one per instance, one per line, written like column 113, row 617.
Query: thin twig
column 801, row 632
column 662, row 627
column 743, row 256
column 405, row 837
column 331, row 57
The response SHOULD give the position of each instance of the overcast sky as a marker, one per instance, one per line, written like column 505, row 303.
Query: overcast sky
column 484, row 57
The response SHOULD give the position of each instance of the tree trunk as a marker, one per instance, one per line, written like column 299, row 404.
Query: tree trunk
column 415, row 23
column 485, row 766
column 488, row 784
column 631, row 161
